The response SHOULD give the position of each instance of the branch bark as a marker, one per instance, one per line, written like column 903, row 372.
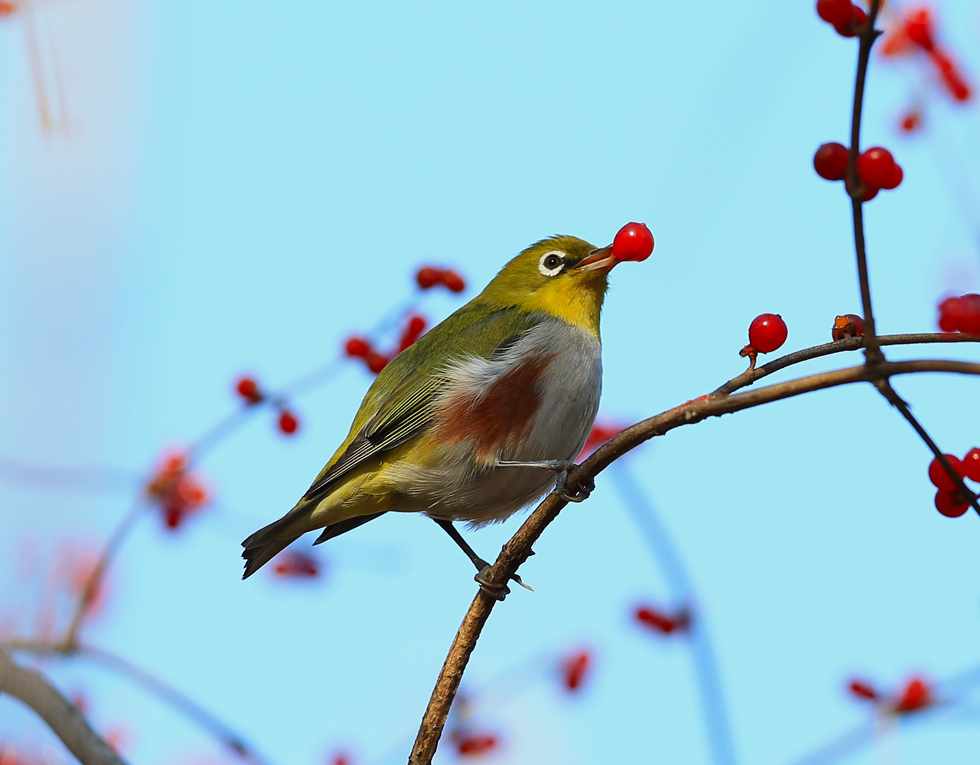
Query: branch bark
column 59, row 713
column 519, row 548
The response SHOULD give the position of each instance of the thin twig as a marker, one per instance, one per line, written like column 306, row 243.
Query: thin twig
column 518, row 548
column 856, row 187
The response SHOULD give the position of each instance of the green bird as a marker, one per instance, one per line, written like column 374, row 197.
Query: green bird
column 472, row 421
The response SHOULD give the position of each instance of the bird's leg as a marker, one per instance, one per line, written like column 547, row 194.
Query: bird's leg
column 562, row 468
column 498, row 591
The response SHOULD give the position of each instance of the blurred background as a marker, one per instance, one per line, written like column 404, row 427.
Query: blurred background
column 196, row 192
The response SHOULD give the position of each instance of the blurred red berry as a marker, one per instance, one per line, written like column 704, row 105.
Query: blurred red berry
column 830, row 161
column 970, row 466
column 895, row 179
column 875, row 166
column 767, row 332
column 650, row 617
column 855, row 25
column 6, row 9
column 848, row 325
column 949, row 504
column 413, row 331
column 918, row 27
column 296, row 565
column 248, row 389
column 862, row 689
column 453, row 281
column 288, row 422
column 916, row 695
column 357, row 347
column 870, row 192
column 834, row 12
column 960, row 314
column 633, row 242
column 938, row 475
column 428, row 277
column 910, row 121
column 574, row 669
column 598, row 435
column 473, row 745
column 376, row 362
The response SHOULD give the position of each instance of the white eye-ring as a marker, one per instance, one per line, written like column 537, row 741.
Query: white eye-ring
column 551, row 263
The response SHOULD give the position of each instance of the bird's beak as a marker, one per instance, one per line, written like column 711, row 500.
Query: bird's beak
column 598, row 260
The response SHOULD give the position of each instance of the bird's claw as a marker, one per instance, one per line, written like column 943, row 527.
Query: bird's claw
column 494, row 590
column 579, row 493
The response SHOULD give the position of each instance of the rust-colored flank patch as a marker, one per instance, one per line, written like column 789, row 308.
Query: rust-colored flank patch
column 501, row 414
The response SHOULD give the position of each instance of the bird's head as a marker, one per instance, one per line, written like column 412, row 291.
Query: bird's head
column 562, row 275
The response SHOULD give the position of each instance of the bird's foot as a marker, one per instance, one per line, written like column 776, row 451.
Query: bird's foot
column 562, row 468
column 494, row 590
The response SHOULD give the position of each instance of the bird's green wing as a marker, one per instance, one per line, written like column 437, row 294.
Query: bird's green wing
column 400, row 402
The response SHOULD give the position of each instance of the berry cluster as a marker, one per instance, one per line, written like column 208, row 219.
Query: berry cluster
column 359, row 347
column 634, row 241
column 916, row 32
column 177, row 491
column 429, row 277
column 949, row 500
column 653, row 619
column 960, row 314
column 876, row 167
column 915, row 695
column 767, row 332
column 847, row 18
column 848, row 325
column 249, row 391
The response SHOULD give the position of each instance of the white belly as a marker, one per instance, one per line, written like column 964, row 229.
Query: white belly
column 547, row 419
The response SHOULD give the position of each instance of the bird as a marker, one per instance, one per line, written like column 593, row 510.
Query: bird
column 473, row 421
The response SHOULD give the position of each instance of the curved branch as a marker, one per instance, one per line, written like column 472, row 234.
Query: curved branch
column 63, row 717
column 518, row 549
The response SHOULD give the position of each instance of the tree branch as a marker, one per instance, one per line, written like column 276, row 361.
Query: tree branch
column 59, row 713
column 518, row 549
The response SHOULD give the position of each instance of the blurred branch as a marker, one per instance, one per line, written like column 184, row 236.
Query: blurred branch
column 150, row 683
column 518, row 548
column 63, row 717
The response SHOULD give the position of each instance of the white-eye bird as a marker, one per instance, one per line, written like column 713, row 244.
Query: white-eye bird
column 469, row 423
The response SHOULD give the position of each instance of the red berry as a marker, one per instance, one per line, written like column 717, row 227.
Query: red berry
column 7, row 8
column 830, row 161
column 910, row 121
column 428, row 277
column 916, row 695
column 870, row 192
column 970, row 466
column 574, row 669
column 918, row 27
column 862, row 689
column 650, row 617
column 297, row 565
column 949, row 504
column 876, row 167
column 855, row 25
column 453, row 281
column 633, row 242
column 767, row 332
column 376, row 362
column 835, row 12
column 357, row 347
column 475, row 744
column 970, row 314
column 288, row 422
column 248, row 389
column 895, row 178
column 848, row 325
column 938, row 475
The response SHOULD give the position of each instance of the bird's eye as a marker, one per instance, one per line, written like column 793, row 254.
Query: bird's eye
column 551, row 263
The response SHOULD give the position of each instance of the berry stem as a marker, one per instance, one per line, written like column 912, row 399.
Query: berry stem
column 873, row 354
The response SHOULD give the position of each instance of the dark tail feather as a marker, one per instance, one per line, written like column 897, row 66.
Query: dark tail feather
column 261, row 553
column 336, row 529
column 264, row 544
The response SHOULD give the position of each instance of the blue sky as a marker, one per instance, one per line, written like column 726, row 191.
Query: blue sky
column 237, row 187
